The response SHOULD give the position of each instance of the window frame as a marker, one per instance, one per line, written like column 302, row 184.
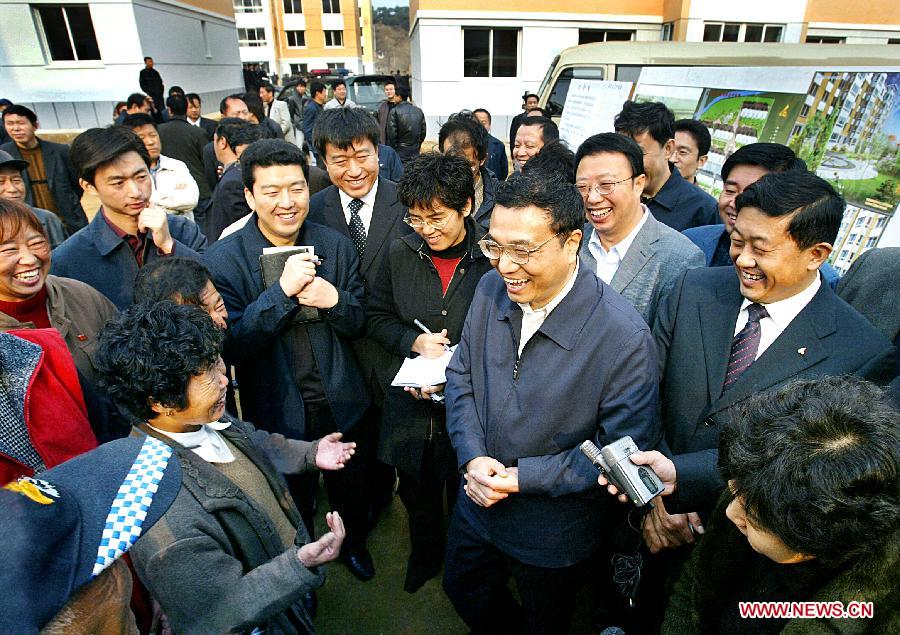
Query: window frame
column 328, row 6
column 45, row 40
column 294, row 4
column 252, row 43
column 287, row 38
column 490, row 53
column 326, row 33
column 241, row 6
column 742, row 31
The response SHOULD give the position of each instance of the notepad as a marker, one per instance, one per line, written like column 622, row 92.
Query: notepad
column 421, row 371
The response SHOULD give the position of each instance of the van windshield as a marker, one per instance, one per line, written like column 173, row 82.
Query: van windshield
column 557, row 100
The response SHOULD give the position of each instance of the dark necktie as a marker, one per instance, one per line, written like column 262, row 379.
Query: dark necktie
column 744, row 345
column 357, row 229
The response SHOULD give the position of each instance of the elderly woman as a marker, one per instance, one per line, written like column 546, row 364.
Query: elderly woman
column 30, row 298
column 430, row 277
column 231, row 553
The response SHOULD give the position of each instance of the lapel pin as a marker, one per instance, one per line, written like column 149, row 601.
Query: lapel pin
column 802, row 351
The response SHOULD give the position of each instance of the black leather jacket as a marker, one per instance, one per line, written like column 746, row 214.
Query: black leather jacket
column 406, row 129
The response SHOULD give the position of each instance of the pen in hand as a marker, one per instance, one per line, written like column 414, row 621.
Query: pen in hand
column 425, row 329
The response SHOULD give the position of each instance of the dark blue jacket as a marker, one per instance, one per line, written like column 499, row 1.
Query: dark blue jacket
column 259, row 323
column 96, row 256
column 680, row 204
column 389, row 164
column 588, row 373
column 497, row 161
column 311, row 112
column 707, row 238
column 482, row 215
column 228, row 202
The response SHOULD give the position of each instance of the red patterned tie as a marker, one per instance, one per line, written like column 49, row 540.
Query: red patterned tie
column 744, row 345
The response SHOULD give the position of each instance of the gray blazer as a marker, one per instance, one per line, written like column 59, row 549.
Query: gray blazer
column 652, row 264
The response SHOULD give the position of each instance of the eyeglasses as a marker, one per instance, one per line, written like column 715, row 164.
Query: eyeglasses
column 600, row 188
column 518, row 255
column 419, row 223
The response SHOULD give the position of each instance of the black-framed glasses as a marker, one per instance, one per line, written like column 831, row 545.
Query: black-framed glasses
column 419, row 223
column 600, row 188
column 515, row 253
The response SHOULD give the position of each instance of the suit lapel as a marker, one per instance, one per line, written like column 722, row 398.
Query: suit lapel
column 640, row 251
column 382, row 225
column 334, row 212
column 717, row 330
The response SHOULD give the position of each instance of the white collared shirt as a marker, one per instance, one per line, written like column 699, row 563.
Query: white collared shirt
column 365, row 212
column 532, row 319
column 194, row 122
column 608, row 262
column 206, row 442
column 781, row 314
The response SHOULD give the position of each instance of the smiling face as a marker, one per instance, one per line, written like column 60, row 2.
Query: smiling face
column 612, row 215
column 24, row 264
column 761, row 540
column 12, row 185
column 548, row 269
column 214, row 305
column 205, row 397
column 453, row 227
column 280, row 199
column 739, row 179
column 354, row 169
column 529, row 141
column 770, row 265
column 123, row 187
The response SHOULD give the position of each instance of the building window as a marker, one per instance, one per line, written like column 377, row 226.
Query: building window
column 894, row 40
column 293, row 6
column 296, row 38
column 331, row 6
column 252, row 37
column 825, row 39
column 248, row 6
column 586, row 36
column 334, row 38
column 335, row 66
column 667, row 32
column 740, row 32
column 490, row 52
column 69, row 32
column 299, row 69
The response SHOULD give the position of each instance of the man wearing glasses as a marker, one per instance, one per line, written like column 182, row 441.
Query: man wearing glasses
column 627, row 247
column 548, row 358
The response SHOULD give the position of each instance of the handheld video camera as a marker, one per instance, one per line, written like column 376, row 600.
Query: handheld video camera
column 639, row 482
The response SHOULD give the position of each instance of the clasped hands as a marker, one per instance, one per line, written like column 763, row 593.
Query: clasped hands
column 488, row 481
column 661, row 530
column 299, row 280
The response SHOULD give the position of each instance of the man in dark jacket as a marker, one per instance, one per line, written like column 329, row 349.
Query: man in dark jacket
column 50, row 181
column 297, row 373
column 406, row 126
column 385, row 108
column 498, row 161
column 311, row 112
column 195, row 115
column 127, row 232
column 184, row 141
column 229, row 203
column 152, row 83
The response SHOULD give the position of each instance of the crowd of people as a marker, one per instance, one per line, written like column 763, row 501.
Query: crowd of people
column 179, row 370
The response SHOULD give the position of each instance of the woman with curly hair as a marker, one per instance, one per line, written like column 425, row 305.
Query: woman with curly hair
column 231, row 554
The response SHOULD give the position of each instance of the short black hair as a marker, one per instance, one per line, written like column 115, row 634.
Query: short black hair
column 177, row 104
column 301, row 82
column 135, row 99
column 268, row 152
column 773, row 157
column 338, row 82
column 559, row 199
column 316, row 87
column 223, row 105
column 652, row 117
column 612, row 142
column 403, row 91
column 391, row 82
column 698, row 131
column 138, row 120
column 816, row 209
column 549, row 130
column 255, row 105
column 433, row 177
column 817, row 463
column 268, row 87
column 96, row 147
column 238, row 132
column 192, row 97
column 176, row 90
column 147, row 58
column 148, row 353
column 178, row 279
column 527, row 95
column 485, row 111
column 22, row 111
column 341, row 127
column 467, row 133
column 553, row 159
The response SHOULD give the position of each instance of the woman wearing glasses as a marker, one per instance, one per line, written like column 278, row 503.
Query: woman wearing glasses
column 429, row 276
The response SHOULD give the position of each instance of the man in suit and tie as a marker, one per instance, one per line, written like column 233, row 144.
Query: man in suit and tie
column 626, row 246
column 365, row 208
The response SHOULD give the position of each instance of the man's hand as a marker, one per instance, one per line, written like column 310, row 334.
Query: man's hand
column 484, row 467
column 326, row 548
column 331, row 454
column 667, row 531
column 431, row 345
column 660, row 464
column 424, row 392
column 299, row 271
column 319, row 293
column 506, row 483
column 155, row 220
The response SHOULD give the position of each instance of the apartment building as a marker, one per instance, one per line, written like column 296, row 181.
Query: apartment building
column 861, row 230
column 477, row 53
column 71, row 62
column 298, row 36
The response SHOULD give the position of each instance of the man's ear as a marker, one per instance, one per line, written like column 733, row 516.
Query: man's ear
column 702, row 161
column 818, row 254
column 668, row 149
column 87, row 187
column 251, row 202
column 640, row 182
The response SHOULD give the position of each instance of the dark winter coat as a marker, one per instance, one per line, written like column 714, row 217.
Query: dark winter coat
column 406, row 129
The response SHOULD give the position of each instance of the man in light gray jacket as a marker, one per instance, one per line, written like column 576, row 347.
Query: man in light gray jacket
column 277, row 111
column 624, row 244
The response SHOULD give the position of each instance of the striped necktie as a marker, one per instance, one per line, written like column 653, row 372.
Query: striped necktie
column 744, row 345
